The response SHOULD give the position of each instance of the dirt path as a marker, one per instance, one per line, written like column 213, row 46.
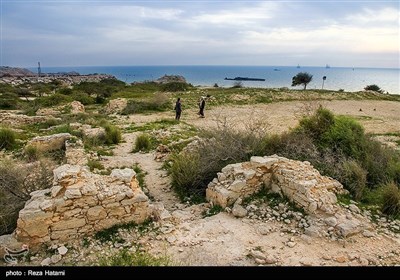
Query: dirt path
column 157, row 181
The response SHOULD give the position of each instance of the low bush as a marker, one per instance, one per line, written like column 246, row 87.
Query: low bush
column 143, row 143
column 374, row 88
column 17, row 181
column 353, row 177
column 53, row 100
column 159, row 102
column 391, row 199
column 83, row 97
column 9, row 100
column 7, row 139
column 174, row 86
column 95, row 164
column 31, row 153
column 193, row 169
column 113, row 134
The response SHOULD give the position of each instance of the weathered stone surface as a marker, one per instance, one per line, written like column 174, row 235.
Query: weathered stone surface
column 49, row 142
column 239, row 211
column 298, row 181
column 96, row 213
column 125, row 175
column 331, row 221
column 13, row 120
column 116, row 105
column 77, row 107
column 95, row 132
column 81, row 203
column 349, row 227
column 75, row 153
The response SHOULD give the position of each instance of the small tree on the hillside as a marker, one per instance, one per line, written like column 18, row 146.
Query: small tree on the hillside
column 302, row 78
column 374, row 88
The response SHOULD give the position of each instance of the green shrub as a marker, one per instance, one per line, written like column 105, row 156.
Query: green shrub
column 137, row 258
column 376, row 160
column 345, row 135
column 374, row 88
column 354, row 178
column 316, row 125
column 82, row 97
column 143, row 143
column 54, row 99
column 65, row 91
column 113, row 134
column 193, row 170
column 31, row 153
column 159, row 102
column 95, row 164
column 174, row 86
column 391, row 199
column 9, row 100
column 7, row 139
column 16, row 183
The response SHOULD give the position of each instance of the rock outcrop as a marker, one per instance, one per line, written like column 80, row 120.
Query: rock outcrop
column 77, row 107
column 81, row 203
column 116, row 106
column 49, row 142
column 171, row 78
column 75, row 152
column 18, row 120
column 7, row 71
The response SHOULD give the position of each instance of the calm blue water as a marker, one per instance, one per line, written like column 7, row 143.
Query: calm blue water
column 349, row 79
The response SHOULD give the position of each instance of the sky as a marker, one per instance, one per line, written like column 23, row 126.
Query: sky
column 266, row 33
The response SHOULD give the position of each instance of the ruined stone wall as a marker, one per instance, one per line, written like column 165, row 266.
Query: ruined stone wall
column 81, row 203
column 18, row 120
column 297, row 180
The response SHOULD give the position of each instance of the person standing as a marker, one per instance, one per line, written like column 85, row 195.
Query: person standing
column 178, row 109
column 202, row 105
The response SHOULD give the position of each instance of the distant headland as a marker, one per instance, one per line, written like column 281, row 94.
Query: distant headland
column 18, row 76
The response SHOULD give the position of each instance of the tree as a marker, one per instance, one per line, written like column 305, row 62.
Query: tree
column 374, row 88
column 302, row 78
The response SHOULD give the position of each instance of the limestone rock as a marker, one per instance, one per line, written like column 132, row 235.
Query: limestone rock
column 116, row 105
column 239, row 211
column 62, row 250
column 49, row 142
column 77, row 107
column 46, row 262
column 11, row 119
column 125, row 175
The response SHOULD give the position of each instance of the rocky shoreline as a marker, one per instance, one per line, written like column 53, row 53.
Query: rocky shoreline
column 19, row 76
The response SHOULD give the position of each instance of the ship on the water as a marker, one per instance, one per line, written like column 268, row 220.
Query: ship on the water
column 244, row 79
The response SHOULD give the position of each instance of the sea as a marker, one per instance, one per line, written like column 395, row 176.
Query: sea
column 336, row 78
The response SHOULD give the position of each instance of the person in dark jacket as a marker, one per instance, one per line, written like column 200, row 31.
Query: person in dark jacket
column 178, row 109
column 202, row 104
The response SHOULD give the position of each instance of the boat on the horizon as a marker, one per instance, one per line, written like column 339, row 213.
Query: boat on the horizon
column 244, row 79
column 298, row 66
column 327, row 66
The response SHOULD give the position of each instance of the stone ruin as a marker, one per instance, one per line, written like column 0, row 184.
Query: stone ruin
column 298, row 181
column 11, row 119
column 81, row 203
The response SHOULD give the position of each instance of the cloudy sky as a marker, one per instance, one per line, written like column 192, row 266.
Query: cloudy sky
column 128, row 32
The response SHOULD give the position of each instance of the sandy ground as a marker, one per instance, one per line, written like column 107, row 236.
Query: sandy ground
column 376, row 116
